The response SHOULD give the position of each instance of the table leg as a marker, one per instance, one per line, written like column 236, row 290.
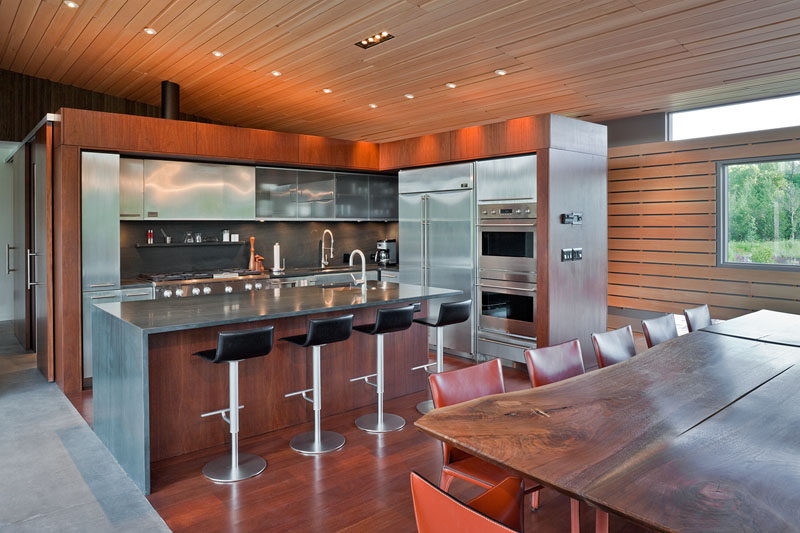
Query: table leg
column 601, row 522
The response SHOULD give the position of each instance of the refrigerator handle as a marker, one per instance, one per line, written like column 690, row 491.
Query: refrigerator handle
column 422, row 240
column 30, row 281
column 9, row 270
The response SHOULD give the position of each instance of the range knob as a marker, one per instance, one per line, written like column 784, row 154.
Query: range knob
column 494, row 212
column 519, row 211
column 167, row 293
column 206, row 290
column 178, row 292
column 195, row 291
column 484, row 211
column 527, row 211
column 259, row 286
column 228, row 289
column 248, row 286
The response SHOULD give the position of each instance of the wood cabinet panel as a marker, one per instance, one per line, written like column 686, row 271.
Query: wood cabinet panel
column 337, row 153
column 127, row 133
column 417, row 151
column 244, row 143
column 522, row 135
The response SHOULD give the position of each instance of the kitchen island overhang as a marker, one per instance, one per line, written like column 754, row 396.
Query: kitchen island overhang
column 149, row 391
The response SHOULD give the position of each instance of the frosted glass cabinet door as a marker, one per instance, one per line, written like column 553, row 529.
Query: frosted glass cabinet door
column 276, row 193
column 352, row 196
column 383, row 198
column 315, row 194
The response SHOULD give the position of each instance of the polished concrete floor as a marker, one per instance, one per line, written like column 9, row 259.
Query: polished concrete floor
column 56, row 474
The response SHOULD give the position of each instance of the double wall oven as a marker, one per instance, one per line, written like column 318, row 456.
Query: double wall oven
column 506, row 281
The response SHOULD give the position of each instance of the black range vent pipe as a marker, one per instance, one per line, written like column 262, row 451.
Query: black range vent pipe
column 170, row 100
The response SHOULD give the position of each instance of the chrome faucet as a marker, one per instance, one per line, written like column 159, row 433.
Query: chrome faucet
column 323, row 262
column 363, row 280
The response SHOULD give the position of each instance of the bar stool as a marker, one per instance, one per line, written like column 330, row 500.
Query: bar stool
column 321, row 331
column 232, row 347
column 449, row 313
column 387, row 321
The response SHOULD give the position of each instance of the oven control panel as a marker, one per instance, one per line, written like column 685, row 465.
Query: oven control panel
column 495, row 211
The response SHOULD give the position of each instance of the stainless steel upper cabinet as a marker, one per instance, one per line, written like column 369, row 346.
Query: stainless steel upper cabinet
column 352, row 196
column 131, row 189
column 100, row 220
column 315, row 194
column 443, row 178
column 198, row 191
column 276, row 193
column 383, row 197
column 510, row 178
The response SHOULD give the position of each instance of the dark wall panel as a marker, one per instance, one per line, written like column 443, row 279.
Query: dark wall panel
column 24, row 100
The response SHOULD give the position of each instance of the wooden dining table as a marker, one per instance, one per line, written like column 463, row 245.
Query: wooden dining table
column 700, row 433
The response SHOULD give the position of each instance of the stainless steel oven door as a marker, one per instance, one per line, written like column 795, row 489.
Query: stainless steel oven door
column 507, row 246
column 507, row 307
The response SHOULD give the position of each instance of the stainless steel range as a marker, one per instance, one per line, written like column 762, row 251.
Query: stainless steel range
column 185, row 284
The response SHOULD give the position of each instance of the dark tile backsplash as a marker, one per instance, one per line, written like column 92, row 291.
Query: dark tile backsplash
column 300, row 244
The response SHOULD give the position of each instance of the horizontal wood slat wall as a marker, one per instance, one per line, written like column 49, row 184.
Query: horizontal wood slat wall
column 662, row 228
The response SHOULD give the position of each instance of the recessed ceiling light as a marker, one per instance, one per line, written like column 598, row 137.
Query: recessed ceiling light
column 217, row 53
column 372, row 40
column 500, row 72
column 150, row 31
column 409, row 96
column 327, row 91
column 450, row 85
column 276, row 73
column 70, row 3
column 373, row 106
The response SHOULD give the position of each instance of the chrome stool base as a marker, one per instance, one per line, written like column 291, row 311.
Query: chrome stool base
column 369, row 423
column 329, row 441
column 425, row 407
column 220, row 470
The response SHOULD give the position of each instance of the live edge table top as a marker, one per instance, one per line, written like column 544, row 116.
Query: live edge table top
column 696, row 434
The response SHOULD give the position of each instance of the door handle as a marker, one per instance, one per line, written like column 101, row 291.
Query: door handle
column 501, row 226
column 95, row 285
column 137, row 294
column 9, row 270
column 31, row 283
column 505, row 288
column 104, row 297
column 518, row 346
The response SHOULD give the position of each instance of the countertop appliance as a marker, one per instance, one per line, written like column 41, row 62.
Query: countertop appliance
column 387, row 252
column 185, row 284
column 437, row 236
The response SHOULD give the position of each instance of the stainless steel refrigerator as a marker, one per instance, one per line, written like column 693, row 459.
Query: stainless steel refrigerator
column 436, row 240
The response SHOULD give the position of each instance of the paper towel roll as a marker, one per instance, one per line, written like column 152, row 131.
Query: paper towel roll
column 276, row 257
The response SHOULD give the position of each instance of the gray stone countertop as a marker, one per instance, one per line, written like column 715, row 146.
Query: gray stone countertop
column 174, row 314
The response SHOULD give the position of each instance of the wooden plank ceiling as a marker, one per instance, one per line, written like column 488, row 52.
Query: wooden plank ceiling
column 595, row 59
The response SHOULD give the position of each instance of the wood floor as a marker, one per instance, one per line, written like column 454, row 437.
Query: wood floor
column 363, row 487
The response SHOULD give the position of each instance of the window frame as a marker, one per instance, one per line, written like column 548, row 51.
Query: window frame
column 722, row 214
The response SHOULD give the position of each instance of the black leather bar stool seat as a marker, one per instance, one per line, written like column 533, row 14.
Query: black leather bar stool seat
column 232, row 347
column 321, row 331
column 389, row 320
column 449, row 313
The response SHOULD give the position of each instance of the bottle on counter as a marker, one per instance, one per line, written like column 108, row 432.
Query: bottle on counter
column 226, row 235
column 149, row 236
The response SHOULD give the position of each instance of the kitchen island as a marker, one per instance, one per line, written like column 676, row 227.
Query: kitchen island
column 149, row 390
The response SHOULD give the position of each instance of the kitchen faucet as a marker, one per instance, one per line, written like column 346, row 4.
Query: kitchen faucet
column 363, row 280
column 323, row 262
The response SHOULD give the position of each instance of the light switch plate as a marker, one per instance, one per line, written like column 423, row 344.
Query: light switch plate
column 577, row 254
column 566, row 254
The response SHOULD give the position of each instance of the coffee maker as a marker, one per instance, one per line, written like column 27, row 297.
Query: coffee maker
column 387, row 252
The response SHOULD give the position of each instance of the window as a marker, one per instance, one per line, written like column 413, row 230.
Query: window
column 760, row 213
column 766, row 114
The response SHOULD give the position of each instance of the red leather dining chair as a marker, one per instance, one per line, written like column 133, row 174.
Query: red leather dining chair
column 658, row 330
column 456, row 386
column 554, row 363
column 498, row 510
column 551, row 364
column 697, row 317
column 613, row 346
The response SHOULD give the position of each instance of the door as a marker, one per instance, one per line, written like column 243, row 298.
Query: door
column 17, row 253
column 449, row 249
column 507, row 179
column 89, row 299
column 410, row 208
column 100, row 221
column 39, row 259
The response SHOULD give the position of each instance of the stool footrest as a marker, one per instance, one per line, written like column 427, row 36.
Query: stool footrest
column 425, row 367
column 365, row 379
column 301, row 393
column 221, row 412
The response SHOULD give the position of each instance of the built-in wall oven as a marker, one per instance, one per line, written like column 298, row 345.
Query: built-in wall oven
column 506, row 284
